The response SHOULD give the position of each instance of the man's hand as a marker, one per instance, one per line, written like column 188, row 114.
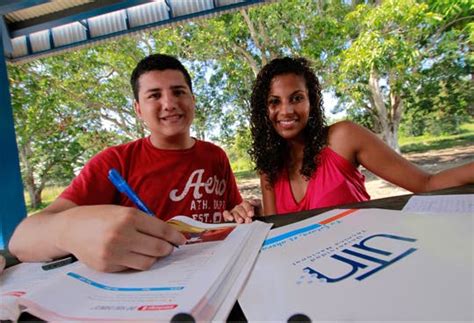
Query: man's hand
column 113, row 238
column 244, row 212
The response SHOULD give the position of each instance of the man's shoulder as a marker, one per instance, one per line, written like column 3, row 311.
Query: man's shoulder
column 208, row 146
column 125, row 149
column 134, row 144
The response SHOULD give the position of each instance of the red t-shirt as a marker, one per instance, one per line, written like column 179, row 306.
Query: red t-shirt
column 335, row 181
column 197, row 182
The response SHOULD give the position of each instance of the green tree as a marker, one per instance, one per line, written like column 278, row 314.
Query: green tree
column 383, row 70
column 444, row 97
column 59, row 105
column 375, row 67
column 48, row 129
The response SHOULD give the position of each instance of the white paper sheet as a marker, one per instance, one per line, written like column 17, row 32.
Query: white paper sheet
column 19, row 280
column 462, row 203
column 411, row 267
column 241, row 275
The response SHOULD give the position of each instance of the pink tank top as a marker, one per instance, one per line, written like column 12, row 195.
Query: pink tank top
column 335, row 182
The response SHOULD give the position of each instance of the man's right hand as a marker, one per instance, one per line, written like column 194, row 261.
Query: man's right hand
column 105, row 237
column 113, row 238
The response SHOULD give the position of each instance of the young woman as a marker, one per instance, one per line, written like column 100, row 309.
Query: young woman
column 305, row 164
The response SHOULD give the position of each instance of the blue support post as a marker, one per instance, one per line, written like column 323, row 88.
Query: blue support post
column 12, row 202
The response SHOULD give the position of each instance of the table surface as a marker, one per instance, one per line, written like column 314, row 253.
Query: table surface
column 391, row 203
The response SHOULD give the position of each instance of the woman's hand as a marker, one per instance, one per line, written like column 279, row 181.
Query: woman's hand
column 244, row 212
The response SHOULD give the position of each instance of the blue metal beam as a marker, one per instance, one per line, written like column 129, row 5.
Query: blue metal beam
column 15, row 5
column 12, row 202
column 70, row 15
column 170, row 9
column 7, row 42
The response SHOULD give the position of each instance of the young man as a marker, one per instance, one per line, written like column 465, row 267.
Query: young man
column 172, row 172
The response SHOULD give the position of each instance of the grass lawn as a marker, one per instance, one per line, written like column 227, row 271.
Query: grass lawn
column 427, row 142
column 49, row 194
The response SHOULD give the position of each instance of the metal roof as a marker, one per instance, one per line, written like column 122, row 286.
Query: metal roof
column 36, row 28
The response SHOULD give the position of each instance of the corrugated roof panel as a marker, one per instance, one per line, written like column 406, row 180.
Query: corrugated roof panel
column 142, row 17
column 40, row 41
column 68, row 34
column 221, row 3
column 44, row 9
column 184, row 7
column 148, row 13
column 108, row 23
column 19, row 46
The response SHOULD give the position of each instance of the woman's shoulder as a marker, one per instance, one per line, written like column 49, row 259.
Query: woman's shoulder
column 344, row 138
column 342, row 130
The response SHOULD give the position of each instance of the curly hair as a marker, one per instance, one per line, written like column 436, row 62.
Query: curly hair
column 269, row 150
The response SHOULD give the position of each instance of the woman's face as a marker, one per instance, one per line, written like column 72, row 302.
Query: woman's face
column 288, row 105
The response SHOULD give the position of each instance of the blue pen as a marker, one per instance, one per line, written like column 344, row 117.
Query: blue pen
column 123, row 187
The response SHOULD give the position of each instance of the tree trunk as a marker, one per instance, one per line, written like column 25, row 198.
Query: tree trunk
column 390, row 136
column 470, row 107
column 387, row 120
column 261, row 41
column 36, row 200
column 28, row 177
column 396, row 109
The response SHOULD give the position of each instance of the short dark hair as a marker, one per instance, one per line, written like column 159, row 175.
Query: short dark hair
column 157, row 62
column 269, row 150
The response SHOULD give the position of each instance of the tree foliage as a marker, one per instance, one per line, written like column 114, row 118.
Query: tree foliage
column 61, row 116
column 443, row 98
column 390, row 63
column 405, row 56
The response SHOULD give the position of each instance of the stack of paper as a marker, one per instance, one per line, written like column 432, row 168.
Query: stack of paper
column 447, row 204
column 365, row 265
column 202, row 278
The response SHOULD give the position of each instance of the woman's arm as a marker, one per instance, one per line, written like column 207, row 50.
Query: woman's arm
column 268, row 196
column 451, row 177
column 360, row 146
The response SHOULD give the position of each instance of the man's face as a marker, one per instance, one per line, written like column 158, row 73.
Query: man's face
column 166, row 105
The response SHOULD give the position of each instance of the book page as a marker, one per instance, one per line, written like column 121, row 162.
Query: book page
column 184, row 281
column 196, row 232
column 19, row 280
column 462, row 203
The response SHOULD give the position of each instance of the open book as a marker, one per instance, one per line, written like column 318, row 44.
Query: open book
column 202, row 278
column 365, row 265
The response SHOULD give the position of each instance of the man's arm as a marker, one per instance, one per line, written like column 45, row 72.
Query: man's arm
column 35, row 237
column 105, row 237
